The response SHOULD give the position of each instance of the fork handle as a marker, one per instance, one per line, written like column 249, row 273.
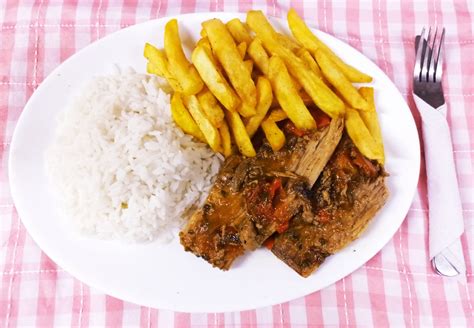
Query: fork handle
column 445, row 210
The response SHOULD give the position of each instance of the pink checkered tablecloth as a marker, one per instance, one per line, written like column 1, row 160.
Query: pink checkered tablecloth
column 397, row 287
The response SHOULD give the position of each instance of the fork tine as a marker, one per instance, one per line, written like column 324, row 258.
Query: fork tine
column 430, row 62
column 438, row 65
column 419, row 50
column 425, row 56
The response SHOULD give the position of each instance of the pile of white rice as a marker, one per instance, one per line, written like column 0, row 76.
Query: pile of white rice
column 121, row 167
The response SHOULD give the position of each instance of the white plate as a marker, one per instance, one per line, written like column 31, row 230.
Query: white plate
column 164, row 276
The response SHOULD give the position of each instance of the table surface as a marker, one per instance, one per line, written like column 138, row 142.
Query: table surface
column 396, row 287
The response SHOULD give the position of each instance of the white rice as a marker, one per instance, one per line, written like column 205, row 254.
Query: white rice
column 121, row 167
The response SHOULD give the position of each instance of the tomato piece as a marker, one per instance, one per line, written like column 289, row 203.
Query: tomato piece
column 364, row 164
column 321, row 118
column 269, row 243
column 291, row 128
column 275, row 186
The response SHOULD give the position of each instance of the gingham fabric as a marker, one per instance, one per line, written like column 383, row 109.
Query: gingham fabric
column 397, row 287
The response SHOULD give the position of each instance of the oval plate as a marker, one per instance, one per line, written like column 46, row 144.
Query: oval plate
column 164, row 276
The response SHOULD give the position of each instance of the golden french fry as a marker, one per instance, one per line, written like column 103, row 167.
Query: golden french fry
column 242, row 48
column 277, row 115
column 224, row 47
column 153, row 69
column 265, row 96
column 258, row 55
column 238, row 31
column 183, row 118
column 303, row 34
column 211, row 107
column 321, row 94
column 275, row 136
column 309, row 60
column 371, row 120
column 182, row 69
column 242, row 139
column 245, row 110
column 226, row 140
column 288, row 96
column 288, row 42
column 340, row 82
column 210, row 132
column 158, row 59
column 249, row 65
column 215, row 81
column 361, row 136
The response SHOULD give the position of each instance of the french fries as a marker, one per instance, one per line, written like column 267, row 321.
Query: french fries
column 219, row 98
column 309, row 60
column 183, row 119
column 238, row 31
column 258, row 55
column 288, row 42
column 159, row 63
column 211, row 107
column 275, row 136
column 288, row 96
column 321, row 94
column 360, row 135
column 277, row 115
column 224, row 47
column 215, row 81
column 370, row 119
column 303, row 34
column 265, row 96
column 241, row 137
column 226, row 140
column 182, row 69
column 332, row 73
column 210, row 132
column 242, row 48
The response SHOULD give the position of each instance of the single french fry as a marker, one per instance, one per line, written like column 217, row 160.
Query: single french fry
column 153, row 69
column 321, row 94
column 245, row 110
column 182, row 69
column 224, row 48
column 309, row 60
column 360, row 135
column 242, row 139
column 210, row 106
column 242, row 48
column 249, row 65
column 226, row 139
column 340, row 82
column 371, row 120
column 275, row 136
column 183, row 118
column 238, row 31
column 158, row 59
column 288, row 96
column 213, row 78
column 264, row 96
column 277, row 115
column 288, row 42
column 210, row 131
column 258, row 54
column 303, row 34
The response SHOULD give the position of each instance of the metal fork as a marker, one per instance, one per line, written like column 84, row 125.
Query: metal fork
column 429, row 68
column 427, row 86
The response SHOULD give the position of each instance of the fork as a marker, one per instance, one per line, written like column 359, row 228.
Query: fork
column 429, row 69
column 428, row 96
